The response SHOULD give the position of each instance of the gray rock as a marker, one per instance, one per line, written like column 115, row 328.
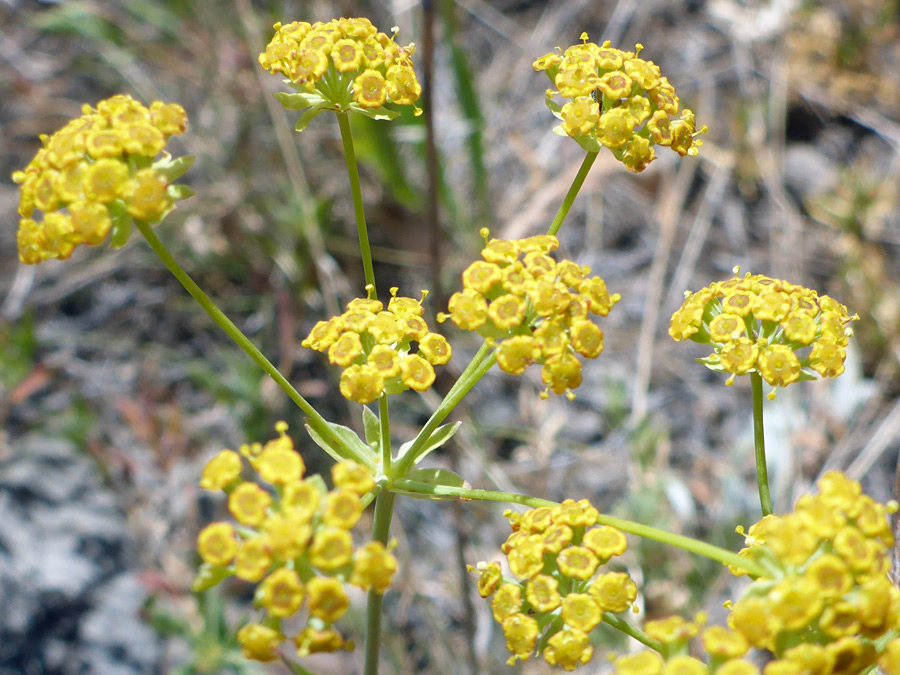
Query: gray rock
column 70, row 604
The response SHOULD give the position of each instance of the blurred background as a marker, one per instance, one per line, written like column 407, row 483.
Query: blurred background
column 115, row 388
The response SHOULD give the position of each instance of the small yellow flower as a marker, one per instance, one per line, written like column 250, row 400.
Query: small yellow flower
column 542, row 592
column 416, row 373
column 577, row 562
column 642, row 663
column 370, row 89
column 581, row 611
column 258, row 642
column 373, row 567
column 314, row 641
column 568, row 649
column 249, row 503
column 302, row 499
column 435, row 349
column 217, row 544
column 352, row 476
column 282, row 592
column 614, row 591
column 724, row 643
column 506, row 602
column 146, row 196
column 253, row 559
column 343, row 509
column 521, row 634
column 362, row 384
column 331, row 548
column 605, row 541
column 328, row 600
column 288, row 533
column 221, row 471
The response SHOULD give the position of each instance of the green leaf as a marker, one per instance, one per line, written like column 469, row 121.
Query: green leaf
column 440, row 436
column 373, row 428
column 179, row 192
column 300, row 99
column 308, row 116
column 439, row 477
column 121, row 225
column 589, row 143
column 173, row 169
column 555, row 107
column 348, row 445
column 209, row 576
column 380, row 113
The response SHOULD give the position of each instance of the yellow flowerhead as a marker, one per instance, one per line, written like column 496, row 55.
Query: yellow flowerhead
column 374, row 346
column 755, row 324
column 99, row 171
column 342, row 65
column 615, row 99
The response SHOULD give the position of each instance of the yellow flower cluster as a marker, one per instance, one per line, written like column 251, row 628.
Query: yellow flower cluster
column 757, row 324
column 559, row 597
column 535, row 308
column 294, row 538
column 347, row 61
column 617, row 100
column 95, row 170
column 824, row 607
column 827, row 599
column 372, row 345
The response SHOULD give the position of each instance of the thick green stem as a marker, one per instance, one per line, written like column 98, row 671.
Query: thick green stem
column 481, row 363
column 632, row 631
column 384, row 509
column 430, row 491
column 316, row 421
column 572, row 193
column 762, row 473
column 353, row 172
column 385, row 419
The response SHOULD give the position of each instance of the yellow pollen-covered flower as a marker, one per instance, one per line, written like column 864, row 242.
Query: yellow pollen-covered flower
column 328, row 600
column 258, row 642
column 331, row 548
column 282, row 592
column 568, row 649
column 343, row 508
column 146, row 196
column 577, row 562
column 542, row 593
column 351, row 476
column 288, row 533
column 221, row 471
column 580, row 116
column 605, row 541
column 373, row 567
column 217, row 544
column 253, row 559
column 249, row 503
column 314, row 641
column 581, row 611
column 362, row 384
column 642, row 663
column 416, row 373
column 521, row 633
column 507, row 602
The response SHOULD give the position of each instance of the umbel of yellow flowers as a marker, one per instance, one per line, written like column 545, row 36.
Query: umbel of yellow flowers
column 754, row 323
column 373, row 346
column 346, row 64
column 95, row 172
column 618, row 100
column 537, row 310
column 294, row 538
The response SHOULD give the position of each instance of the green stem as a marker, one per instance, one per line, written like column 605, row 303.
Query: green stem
column 481, row 363
column 385, row 418
column 316, row 421
column 414, row 488
column 572, row 193
column 632, row 631
column 762, row 473
column 384, row 509
column 353, row 172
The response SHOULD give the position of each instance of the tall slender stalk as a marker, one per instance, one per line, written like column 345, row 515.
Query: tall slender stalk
column 353, row 173
column 572, row 193
column 384, row 509
column 316, row 421
column 759, row 441
column 420, row 489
